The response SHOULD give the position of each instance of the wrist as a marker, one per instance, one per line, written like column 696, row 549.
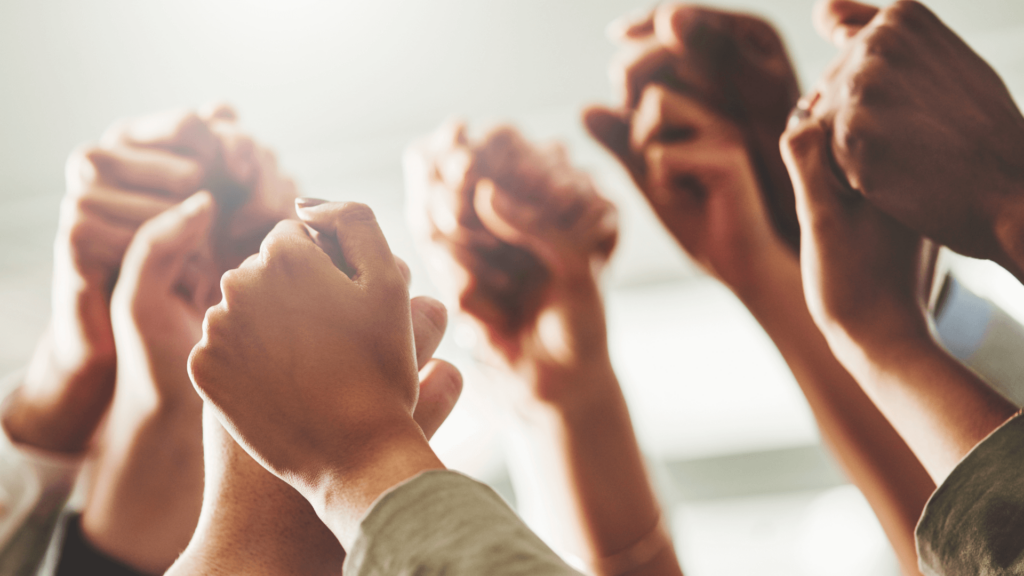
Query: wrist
column 865, row 356
column 56, row 408
column 343, row 494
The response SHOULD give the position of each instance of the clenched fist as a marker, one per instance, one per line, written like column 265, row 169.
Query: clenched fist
column 313, row 370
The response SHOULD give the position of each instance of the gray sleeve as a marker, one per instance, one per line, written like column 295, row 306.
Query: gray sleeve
column 974, row 522
column 444, row 523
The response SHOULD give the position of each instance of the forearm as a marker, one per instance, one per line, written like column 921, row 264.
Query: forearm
column 869, row 449
column 939, row 407
column 58, row 408
column 596, row 479
column 148, row 483
column 253, row 523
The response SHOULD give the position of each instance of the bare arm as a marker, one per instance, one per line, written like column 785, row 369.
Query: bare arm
column 523, row 213
column 862, row 277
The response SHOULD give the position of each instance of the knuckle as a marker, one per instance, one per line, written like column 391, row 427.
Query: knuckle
column 83, row 166
column 909, row 13
column 800, row 140
column 231, row 289
column 866, row 87
column 356, row 212
column 886, row 41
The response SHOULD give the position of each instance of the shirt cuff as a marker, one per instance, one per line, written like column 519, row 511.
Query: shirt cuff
column 443, row 523
column 973, row 522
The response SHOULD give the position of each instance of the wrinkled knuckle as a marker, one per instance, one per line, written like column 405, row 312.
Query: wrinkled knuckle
column 435, row 313
column 886, row 42
column 356, row 212
column 801, row 139
column 83, row 166
column 908, row 13
column 231, row 289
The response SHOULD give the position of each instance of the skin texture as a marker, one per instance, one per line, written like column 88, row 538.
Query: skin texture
column 861, row 271
column 146, row 485
column 470, row 199
column 733, row 64
column 253, row 523
column 327, row 410
column 705, row 189
column 112, row 188
column 909, row 105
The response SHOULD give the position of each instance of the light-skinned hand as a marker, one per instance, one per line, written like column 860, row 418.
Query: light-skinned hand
column 923, row 128
column 541, row 312
column 862, row 270
column 253, row 523
column 112, row 187
column 312, row 370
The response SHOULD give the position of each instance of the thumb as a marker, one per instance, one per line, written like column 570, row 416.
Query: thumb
column 611, row 128
column 805, row 150
column 440, row 388
column 160, row 249
column 512, row 220
column 839, row 20
column 359, row 238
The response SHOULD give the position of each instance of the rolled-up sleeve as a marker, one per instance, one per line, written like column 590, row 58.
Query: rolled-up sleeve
column 443, row 523
column 974, row 522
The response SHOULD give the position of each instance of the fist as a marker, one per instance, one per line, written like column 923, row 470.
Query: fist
column 312, row 370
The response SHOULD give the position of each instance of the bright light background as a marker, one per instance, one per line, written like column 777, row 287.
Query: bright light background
column 339, row 87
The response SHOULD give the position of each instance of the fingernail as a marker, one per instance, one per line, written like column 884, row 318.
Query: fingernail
column 307, row 202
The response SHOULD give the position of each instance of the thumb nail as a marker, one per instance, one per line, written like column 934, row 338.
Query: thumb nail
column 307, row 202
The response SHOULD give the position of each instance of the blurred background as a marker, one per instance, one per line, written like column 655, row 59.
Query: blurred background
column 339, row 88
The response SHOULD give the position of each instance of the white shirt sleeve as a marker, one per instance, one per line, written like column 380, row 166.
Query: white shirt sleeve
column 443, row 523
column 34, row 485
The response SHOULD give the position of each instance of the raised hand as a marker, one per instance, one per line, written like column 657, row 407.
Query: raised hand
column 524, row 236
column 924, row 128
column 113, row 187
column 312, row 370
column 862, row 271
column 733, row 65
column 253, row 523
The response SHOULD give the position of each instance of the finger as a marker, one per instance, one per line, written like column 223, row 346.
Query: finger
column 94, row 239
column 146, row 169
column 680, row 173
column 429, row 321
column 610, row 127
column 511, row 220
column 359, row 237
column 163, row 245
column 667, row 116
column 239, row 152
column 631, row 26
column 123, row 206
column 634, row 67
column 440, row 388
column 177, row 130
column 218, row 111
column 404, row 269
column 804, row 148
column 840, row 20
